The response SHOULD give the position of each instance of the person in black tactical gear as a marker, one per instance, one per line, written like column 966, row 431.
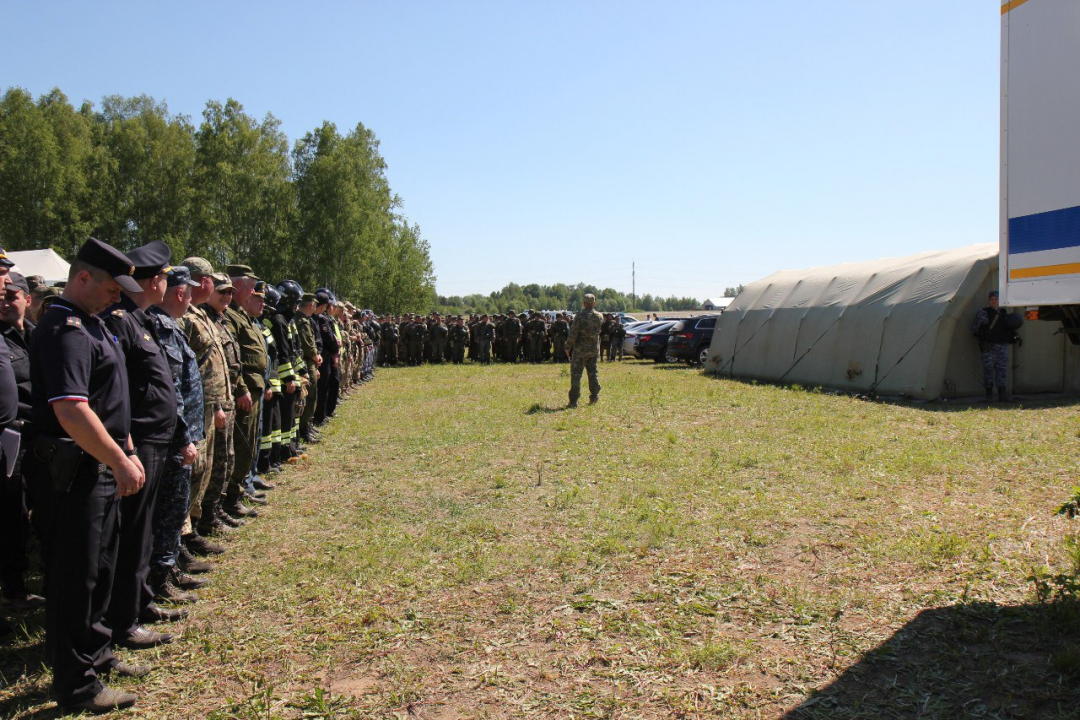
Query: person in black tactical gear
column 996, row 331
column 288, row 348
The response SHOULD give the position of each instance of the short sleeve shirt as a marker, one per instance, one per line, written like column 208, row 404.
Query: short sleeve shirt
column 73, row 357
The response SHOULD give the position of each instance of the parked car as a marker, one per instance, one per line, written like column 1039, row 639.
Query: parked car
column 651, row 344
column 631, row 336
column 690, row 338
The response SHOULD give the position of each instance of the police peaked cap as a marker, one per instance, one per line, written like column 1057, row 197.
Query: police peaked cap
column 17, row 281
column 108, row 259
column 150, row 259
column 5, row 261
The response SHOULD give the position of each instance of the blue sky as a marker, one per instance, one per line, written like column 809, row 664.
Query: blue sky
column 710, row 143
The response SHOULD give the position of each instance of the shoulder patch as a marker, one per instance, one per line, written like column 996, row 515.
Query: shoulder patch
column 146, row 336
column 74, row 321
column 118, row 312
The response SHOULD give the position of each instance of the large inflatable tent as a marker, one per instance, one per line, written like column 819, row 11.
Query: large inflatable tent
column 897, row 326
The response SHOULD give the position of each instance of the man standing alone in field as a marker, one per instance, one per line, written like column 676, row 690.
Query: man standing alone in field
column 583, row 349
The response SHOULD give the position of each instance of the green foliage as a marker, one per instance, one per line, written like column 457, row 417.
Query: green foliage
column 1071, row 507
column 230, row 190
column 733, row 291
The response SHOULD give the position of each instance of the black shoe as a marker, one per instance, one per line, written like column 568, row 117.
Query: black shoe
column 23, row 601
column 198, row 545
column 140, row 639
column 593, row 400
column 155, row 614
column 105, row 701
column 260, row 484
column 191, row 564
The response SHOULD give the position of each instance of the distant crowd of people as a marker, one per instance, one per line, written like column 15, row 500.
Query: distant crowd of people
column 531, row 337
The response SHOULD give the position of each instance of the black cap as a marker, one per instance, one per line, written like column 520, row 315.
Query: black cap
column 5, row 261
column 180, row 275
column 993, row 293
column 150, row 259
column 322, row 297
column 18, row 281
column 107, row 258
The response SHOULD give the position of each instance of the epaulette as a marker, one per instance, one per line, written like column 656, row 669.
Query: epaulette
column 74, row 321
column 118, row 312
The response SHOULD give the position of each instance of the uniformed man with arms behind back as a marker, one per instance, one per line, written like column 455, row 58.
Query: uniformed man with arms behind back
column 583, row 349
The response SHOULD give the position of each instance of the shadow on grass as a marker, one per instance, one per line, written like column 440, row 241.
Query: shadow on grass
column 23, row 656
column 537, row 408
column 1020, row 402
column 978, row 660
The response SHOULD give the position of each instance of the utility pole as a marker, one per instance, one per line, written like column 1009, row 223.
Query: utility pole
column 633, row 283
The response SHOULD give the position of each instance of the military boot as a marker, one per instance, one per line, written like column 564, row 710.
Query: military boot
column 184, row 581
column 1003, row 395
column 198, row 545
column 191, row 564
column 989, row 394
column 165, row 590
column 234, row 507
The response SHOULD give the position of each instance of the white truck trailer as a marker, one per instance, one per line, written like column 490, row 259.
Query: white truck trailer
column 1039, row 268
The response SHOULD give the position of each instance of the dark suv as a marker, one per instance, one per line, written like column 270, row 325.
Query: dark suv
column 689, row 340
column 651, row 344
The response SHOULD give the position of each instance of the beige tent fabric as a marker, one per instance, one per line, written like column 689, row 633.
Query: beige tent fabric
column 886, row 326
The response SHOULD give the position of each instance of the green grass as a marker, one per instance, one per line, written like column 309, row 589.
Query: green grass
column 462, row 545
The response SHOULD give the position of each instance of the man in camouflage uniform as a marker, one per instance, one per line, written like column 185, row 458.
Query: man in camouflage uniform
column 994, row 335
column 168, row 576
column 560, row 329
column 204, row 338
column 388, row 348
column 439, row 334
column 512, row 337
column 208, row 516
column 583, row 348
column 485, row 336
column 249, row 394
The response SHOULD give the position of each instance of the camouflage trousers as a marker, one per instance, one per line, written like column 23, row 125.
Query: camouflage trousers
column 995, row 365
column 577, row 364
column 200, row 472
column 170, row 512
column 220, row 470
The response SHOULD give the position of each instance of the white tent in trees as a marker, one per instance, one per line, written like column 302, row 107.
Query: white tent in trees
column 41, row 262
column 897, row 326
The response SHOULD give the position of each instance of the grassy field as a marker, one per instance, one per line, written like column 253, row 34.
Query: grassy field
column 461, row 545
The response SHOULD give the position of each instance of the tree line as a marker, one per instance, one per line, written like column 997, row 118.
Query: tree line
column 558, row 297
column 230, row 189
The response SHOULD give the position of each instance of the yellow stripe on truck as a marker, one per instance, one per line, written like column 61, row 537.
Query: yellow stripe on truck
column 1044, row 271
column 1011, row 5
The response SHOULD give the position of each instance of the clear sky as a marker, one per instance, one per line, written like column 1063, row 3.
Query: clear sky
column 712, row 143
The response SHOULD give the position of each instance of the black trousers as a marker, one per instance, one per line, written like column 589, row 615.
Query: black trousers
column 14, row 530
column 329, row 385
column 131, row 591
column 80, row 534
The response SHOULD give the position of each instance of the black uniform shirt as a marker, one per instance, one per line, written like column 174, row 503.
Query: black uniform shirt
column 19, row 351
column 150, row 381
column 73, row 356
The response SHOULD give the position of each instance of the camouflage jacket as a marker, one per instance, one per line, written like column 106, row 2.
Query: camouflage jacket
column 585, row 334
column 252, row 345
column 204, row 341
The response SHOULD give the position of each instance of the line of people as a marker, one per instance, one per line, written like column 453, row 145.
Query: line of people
column 532, row 337
column 142, row 418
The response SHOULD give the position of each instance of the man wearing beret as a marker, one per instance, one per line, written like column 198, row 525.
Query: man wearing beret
column 82, row 462
column 154, row 424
